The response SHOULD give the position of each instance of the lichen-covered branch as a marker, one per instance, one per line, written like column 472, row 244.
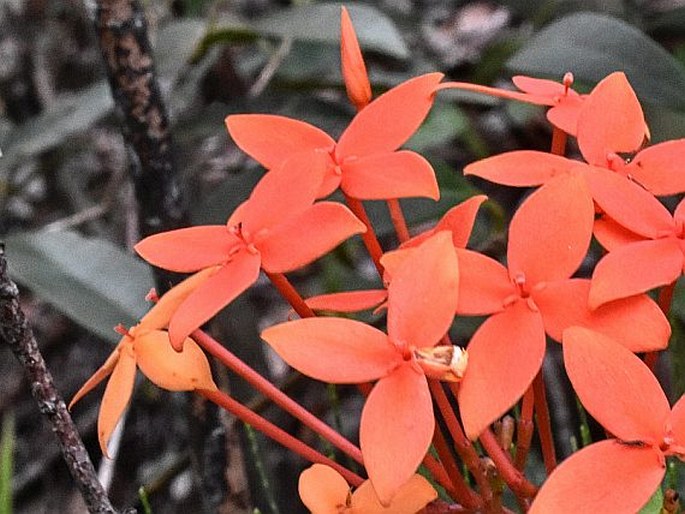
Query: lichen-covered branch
column 15, row 333
column 122, row 34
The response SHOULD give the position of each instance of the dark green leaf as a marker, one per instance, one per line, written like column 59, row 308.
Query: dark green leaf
column 72, row 113
column 593, row 45
column 321, row 22
column 176, row 43
column 92, row 281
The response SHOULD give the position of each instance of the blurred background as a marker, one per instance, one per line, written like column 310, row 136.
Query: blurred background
column 68, row 214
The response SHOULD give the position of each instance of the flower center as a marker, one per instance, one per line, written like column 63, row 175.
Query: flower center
column 246, row 238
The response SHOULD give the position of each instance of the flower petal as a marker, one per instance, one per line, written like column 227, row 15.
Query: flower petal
column 540, row 87
column 396, row 429
column 323, row 490
column 522, row 168
column 348, row 301
column 484, row 284
column 493, row 383
column 222, row 288
column 186, row 370
column 117, row 394
column 615, row 386
column 629, row 204
column 305, row 238
column 604, row 477
column 188, row 249
column 353, row 67
column 677, row 421
column 459, row 220
column 565, row 114
column 636, row 322
column 389, row 175
column 283, row 193
column 412, row 496
column 102, row 373
column 336, row 350
column 161, row 313
column 271, row 140
column 423, row 293
column 538, row 249
column 611, row 235
column 390, row 120
column 658, row 168
column 635, row 268
column 611, row 120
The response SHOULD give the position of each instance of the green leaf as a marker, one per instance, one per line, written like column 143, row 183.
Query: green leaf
column 321, row 22
column 593, row 45
column 654, row 504
column 72, row 113
column 7, row 443
column 177, row 41
column 92, row 281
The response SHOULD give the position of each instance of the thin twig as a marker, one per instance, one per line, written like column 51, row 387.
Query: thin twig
column 269, row 70
column 15, row 333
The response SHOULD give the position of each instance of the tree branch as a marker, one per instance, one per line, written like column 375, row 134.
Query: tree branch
column 122, row 34
column 15, row 332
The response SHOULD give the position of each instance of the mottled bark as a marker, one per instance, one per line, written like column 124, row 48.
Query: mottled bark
column 15, row 333
column 122, row 34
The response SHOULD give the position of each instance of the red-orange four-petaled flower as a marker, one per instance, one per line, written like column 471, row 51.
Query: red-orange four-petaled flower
column 364, row 162
column 610, row 124
column 646, row 248
column 397, row 421
column 548, row 239
column 279, row 229
column 621, row 393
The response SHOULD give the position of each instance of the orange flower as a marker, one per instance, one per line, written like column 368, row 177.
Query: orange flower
column 353, row 67
column 278, row 228
column 397, row 422
column 646, row 244
column 565, row 103
column 610, row 123
column 324, row 491
column 147, row 346
column 617, row 388
column 548, row 238
column 364, row 162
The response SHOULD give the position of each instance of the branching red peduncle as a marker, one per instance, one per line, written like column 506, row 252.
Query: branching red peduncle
column 524, row 429
column 269, row 390
column 544, row 423
column 291, row 295
column 369, row 237
column 280, row 436
column 462, row 445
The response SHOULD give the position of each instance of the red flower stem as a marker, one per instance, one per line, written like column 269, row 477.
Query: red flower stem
column 437, row 471
column 291, row 295
column 511, row 476
column 558, row 141
column 524, row 430
column 269, row 390
column 665, row 299
column 280, row 436
column 369, row 237
column 462, row 445
column 460, row 491
column 544, row 423
column 398, row 221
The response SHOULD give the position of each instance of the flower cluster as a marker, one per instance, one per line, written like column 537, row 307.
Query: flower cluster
column 432, row 279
